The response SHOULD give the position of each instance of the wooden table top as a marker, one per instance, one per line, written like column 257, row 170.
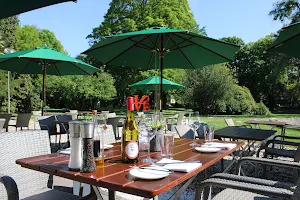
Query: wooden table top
column 273, row 123
column 115, row 176
column 236, row 132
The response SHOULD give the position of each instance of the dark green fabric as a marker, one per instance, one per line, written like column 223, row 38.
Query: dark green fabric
column 288, row 41
column 152, row 83
column 182, row 49
column 15, row 7
column 30, row 62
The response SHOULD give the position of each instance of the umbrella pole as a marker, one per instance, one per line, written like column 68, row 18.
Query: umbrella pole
column 161, row 71
column 43, row 90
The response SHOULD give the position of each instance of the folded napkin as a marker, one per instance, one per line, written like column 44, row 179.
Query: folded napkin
column 180, row 167
column 219, row 145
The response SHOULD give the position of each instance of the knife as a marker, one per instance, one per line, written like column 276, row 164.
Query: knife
column 170, row 163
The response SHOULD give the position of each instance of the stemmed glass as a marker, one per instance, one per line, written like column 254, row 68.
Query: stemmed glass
column 147, row 133
column 194, row 123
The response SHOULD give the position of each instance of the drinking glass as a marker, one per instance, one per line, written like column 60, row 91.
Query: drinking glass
column 146, row 135
column 194, row 123
column 208, row 134
column 166, row 144
column 100, row 128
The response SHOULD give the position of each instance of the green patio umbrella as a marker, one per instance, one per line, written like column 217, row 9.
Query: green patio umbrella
column 288, row 41
column 161, row 48
column 15, row 7
column 44, row 60
column 154, row 81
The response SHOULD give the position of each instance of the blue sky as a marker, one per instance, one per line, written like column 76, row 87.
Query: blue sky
column 72, row 22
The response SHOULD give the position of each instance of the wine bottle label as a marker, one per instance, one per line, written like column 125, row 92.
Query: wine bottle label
column 132, row 149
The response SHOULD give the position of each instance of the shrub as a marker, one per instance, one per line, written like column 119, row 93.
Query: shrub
column 261, row 109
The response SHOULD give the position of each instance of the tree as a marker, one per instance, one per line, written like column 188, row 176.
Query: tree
column 133, row 15
column 286, row 10
column 260, row 71
column 233, row 40
column 8, row 28
column 207, row 86
column 79, row 92
column 29, row 37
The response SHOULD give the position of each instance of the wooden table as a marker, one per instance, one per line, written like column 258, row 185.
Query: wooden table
column 115, row 177
column 241, row 133
column 270, row 123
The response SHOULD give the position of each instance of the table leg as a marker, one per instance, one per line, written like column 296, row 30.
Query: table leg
column 97, row 192
column 111, row 195
column 76, row 188
column 179, row 192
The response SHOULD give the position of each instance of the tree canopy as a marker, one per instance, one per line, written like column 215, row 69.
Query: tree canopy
column 133, row 15
column 286, row 10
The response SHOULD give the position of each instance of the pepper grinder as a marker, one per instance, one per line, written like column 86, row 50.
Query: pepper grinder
column 75, row 161
column 87, row 133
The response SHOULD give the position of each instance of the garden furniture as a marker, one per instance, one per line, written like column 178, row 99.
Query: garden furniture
column 249, row 188
column 24, row 183
column 7, row 119
column 114, row 176
column 22, row 121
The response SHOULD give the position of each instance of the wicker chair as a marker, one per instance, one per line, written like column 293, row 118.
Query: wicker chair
column 2, row 122
column 22, row 121
column 18, row 182
column 272, row 148
column 7, row 118
column 246, row 188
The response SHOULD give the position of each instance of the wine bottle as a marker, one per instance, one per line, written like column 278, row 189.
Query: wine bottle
column 130, row 136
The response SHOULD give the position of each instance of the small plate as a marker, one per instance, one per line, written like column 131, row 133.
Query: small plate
column 148, row 174
column 207, row 149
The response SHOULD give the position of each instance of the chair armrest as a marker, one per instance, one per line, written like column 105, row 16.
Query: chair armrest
column 278, row 163
column 10, row 186
column 259, row 189
column 252, row 180
column 273, row 142
column 286, row 137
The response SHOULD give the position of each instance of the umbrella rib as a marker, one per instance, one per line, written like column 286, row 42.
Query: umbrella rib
column 145, row 46
column 183, row 54
column 274, row 47
column 79, row 68
column 109, row 44
column 150, row 61
column 181, row 47
column 169, row 34
column 181, row 43
column 55, row 67
column 148, row 37
column 208, row 38
column 26, row 67
column 206, row 49
column 123, row 52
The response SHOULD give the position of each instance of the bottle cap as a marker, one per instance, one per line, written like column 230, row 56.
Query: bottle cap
column 130, row 105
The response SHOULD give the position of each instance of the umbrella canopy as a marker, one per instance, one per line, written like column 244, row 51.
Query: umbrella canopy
column 152, row 82
column 161, row 48
column 288, row 41
column 15, row 7
column 44, row 60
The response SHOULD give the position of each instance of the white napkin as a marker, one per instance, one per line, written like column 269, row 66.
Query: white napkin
column 180, row 167
column 219, row 145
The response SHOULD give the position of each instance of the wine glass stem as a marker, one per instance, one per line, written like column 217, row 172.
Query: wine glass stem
column 148, row 156
column 194, row 129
